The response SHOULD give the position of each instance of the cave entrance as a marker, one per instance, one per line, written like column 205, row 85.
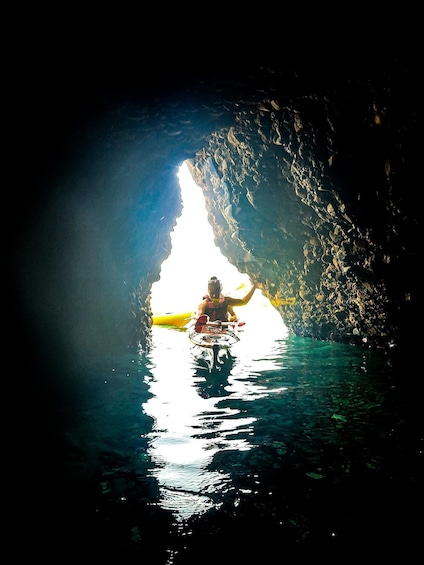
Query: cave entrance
column 195, row 258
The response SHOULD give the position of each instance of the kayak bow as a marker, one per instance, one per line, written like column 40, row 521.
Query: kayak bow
column 214, row 337
column 172, row 319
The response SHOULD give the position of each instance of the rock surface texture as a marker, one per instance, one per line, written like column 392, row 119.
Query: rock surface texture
column 310, row 176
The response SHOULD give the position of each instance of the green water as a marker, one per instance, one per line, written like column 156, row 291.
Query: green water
column 295, row 448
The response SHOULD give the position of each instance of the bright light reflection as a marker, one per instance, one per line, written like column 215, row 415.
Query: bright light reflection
column 189, row 429
column 177, row 448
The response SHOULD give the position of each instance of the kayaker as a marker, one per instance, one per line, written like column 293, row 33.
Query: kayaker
column 220, row 307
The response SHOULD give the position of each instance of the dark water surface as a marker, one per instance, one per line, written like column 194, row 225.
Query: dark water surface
column 295, row 448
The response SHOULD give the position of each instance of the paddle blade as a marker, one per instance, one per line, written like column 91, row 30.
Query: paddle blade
column 201, row 322
column 283, row 301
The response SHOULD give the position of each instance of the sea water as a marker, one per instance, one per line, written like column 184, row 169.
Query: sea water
column 293, row 445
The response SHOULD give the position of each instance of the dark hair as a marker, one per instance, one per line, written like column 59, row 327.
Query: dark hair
column 214, row 286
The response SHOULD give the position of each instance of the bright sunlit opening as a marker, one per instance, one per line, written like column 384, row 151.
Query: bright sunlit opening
column 195, row 258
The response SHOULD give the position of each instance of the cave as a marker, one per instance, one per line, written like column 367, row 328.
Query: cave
column 309, row 178
column 310, row 163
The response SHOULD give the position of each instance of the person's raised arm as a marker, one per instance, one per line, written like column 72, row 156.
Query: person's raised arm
column 242, row 301
column 249, row 295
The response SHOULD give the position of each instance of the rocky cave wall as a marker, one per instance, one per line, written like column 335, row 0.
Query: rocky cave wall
column 317, row 190
column 310, row 186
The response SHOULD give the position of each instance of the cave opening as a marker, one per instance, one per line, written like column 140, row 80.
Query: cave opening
column 194, row 258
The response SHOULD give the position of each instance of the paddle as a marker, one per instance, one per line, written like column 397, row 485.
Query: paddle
column 183, row 319
column 290, row 301
column 203, row 321
column 283, row 301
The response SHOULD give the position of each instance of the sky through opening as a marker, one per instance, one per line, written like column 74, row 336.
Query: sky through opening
column 195, row 258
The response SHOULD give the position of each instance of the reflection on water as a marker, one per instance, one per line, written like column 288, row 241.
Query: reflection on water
column 197, row 413
column 293, row 441
column 190, row 426
column 322, row 408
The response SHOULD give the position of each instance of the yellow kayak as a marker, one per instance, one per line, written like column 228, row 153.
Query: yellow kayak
column 172, row 319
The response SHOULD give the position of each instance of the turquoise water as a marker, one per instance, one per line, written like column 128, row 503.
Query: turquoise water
column 294, row 446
